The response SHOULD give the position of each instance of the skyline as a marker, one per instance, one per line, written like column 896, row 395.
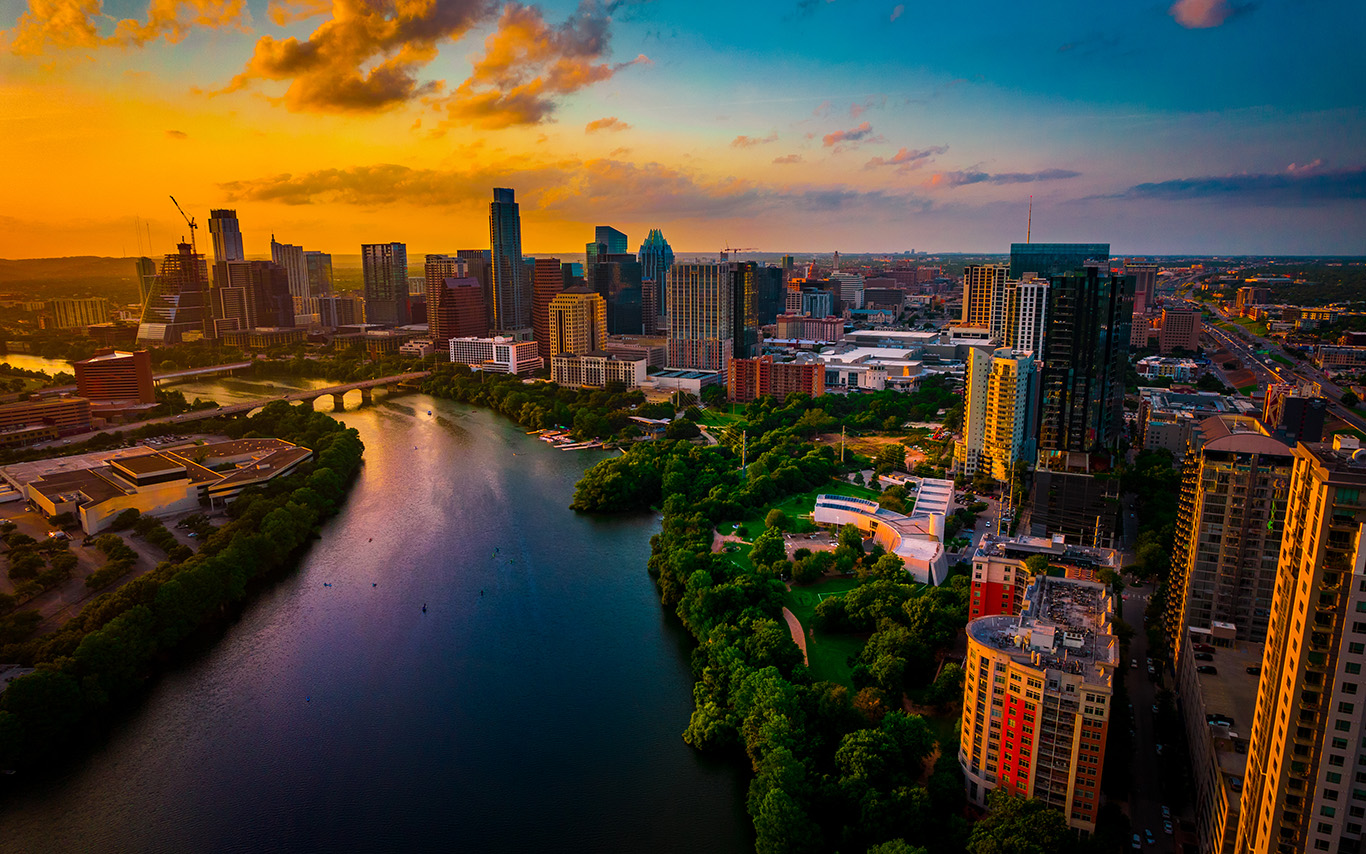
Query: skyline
column 1190, row 128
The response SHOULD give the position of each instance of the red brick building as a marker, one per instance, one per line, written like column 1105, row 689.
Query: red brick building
column 749, row 379
column 112, row 375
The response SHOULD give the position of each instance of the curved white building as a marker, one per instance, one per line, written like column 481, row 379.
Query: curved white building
column 916, row 539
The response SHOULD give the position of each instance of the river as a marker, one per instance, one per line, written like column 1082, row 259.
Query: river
column 536, row 706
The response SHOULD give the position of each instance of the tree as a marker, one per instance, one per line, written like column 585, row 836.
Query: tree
column 1350, row 399
column 680, row 429
column 776, row 519
column 1036, row 565
column 852, row 537
column 769, row 547
column 1020, row 826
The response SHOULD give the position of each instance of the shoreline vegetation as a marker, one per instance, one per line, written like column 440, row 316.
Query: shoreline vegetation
column 101, row 661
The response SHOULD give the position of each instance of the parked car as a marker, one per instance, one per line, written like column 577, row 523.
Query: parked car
column 1138, row 843
column 1166, row 813
column 1255, row 670
column 1167, row 827
column 1207, row 668
column 1149, row 835
column 1203, row 656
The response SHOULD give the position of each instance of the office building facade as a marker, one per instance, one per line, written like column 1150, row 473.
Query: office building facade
column 498, row 354
column 455, row 309
column 177, row 306
column 1180, row 330
column 997, row 422
column 596, row 370
column 319, row 265
column 1054, row 259
column 656, row 257
column 547, row 280
column 577, row 321
column 752, row 378
column 75, row 313
column 511, row 289
column 111, row 375
column 984, row 287
column 295, row 261
column 226, row 235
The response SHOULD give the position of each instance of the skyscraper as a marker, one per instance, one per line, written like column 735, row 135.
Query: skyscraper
column 511, row 292
column 146, row 273
column 1145, row 284
column 983, row 290
column 455, row 309
column 745, row 277
column 656, row 257
column 1228, row 533
column 293, row 259
column 547, row 280
column 1085, row 355
column 618, row 278
column 997, row 427
column 1303, row 788
column 606, row 241
column 384, row 268
column 176, row 309
column 227, row 236
column 1026, row 314
column 319, row 273
column 578, row 322
column 700, row 303
column 1053, row 259
column 270, row 297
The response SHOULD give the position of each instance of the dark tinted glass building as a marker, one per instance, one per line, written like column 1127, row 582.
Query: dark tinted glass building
column 1052, row 259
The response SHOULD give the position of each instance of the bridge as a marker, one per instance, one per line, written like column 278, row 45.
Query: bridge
column 310, row 396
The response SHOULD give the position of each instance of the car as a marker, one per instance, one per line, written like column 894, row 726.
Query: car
column 1166, row 813
column 1208, row 668
column 1149, row 835
column 1152, row 671
column 1155, row 709
column 1202, row 647
column 1167, row 827
column 1138, row 843
column 1203, row 656
column 1255, row 669
column 1159, row 750
column 1133, row 662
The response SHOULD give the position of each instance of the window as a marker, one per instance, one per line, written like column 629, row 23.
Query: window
column 1349, row 687
column 1356, row 648
column 1333, row 777
column 1345, row 708
column 1327, row 812
column 1330, row 794
column 1341, row 744
column 1342, row 726
column 1320, row 844
column 1336, row 760
column 1353, row 667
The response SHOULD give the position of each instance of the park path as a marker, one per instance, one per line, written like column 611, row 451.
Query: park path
column 798, row 636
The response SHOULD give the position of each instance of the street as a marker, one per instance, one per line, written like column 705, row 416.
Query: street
column 1145, row 803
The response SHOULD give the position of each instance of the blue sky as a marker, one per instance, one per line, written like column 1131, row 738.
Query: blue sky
column 1199, row 126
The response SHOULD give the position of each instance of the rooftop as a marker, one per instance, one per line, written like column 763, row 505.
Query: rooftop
column 1065, row 625
column 1055, row 549
column 1228, row 696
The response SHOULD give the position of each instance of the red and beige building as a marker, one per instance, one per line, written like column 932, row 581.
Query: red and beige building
column 751, row 379
column 1000, row 578
column 1037, row 693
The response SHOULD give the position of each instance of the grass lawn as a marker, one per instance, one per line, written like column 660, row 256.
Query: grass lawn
column 1248, row 389
column 1282, row 359
column 828, row 654
column 721, row 418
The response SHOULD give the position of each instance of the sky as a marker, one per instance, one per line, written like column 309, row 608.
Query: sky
column 1194, row 126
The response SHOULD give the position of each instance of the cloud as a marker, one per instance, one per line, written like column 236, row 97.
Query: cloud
column 528, row 64
column 787, row 159
column 822, row 109
column 907, row 159
column 971, row 176
column 853, row 135
column 282, row 13
column 897, row 11
column 571, row 188
column 177, row 134
column 1202, row 14
column 1299, row 185
column 69, row 24
column 751, row 141
column 364, row 58
column 610, row 123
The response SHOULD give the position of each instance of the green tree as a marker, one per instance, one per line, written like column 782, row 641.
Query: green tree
column 852, row 538
column 682, row 429
column 769, row 548
column 1350, row 399
column 1036, row 565
column 776, row 519
column 1020, row 826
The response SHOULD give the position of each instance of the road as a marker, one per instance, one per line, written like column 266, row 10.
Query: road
column 1145, row 804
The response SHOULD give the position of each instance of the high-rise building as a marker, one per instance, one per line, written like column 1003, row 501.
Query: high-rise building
column 617, row 277
column 578, row 321
column 75, row 313
column 270, row 299
column 176, row 308
column 146, row 270
column 606, row 241
column 1180, row 330
column 1303, row 788
column 850, row 289
column 439, row 268
column 111, row 376
column 656, row 257
column 295, row 261
column 1085, row 356
column 227, row 236
column 745, row 278
column 997, row 423
column 547, row 280
column 1294, row 414
column 1026, row 314
column 700, row 304
column 511, row 308
column 1145, row 284
column 335, row 311
column 384, row 269
column 1037, row 696
column 983, row 288
column 1054, row 259
column 319, row 266
column 1228, row 533
column 750, row 379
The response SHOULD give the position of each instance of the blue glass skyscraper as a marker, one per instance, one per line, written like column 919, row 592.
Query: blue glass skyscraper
column 510, row 309
column 656, row 257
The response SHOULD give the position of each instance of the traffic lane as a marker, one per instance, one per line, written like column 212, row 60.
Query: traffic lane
column 1145, row 797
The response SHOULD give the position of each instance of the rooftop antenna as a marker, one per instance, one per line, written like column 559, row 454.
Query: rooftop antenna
column 1029, row 223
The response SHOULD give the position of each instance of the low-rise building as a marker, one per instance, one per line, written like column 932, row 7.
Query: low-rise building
column 263, row 338
column 1336, row 359
column 27, row 422
column 750, row 379
column 1169, row 419
column 1037, row 697
column 596, row 369
column 801, row 327
column 917, row 538
column 684, row 380
column 1177, row 370
column 418, row 348
column 654, row 350
column 162, row 482
column 871, row 368
column 500, row 354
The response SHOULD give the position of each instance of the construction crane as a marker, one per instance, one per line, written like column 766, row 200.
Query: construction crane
column 189, row 220
column 725, row 253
